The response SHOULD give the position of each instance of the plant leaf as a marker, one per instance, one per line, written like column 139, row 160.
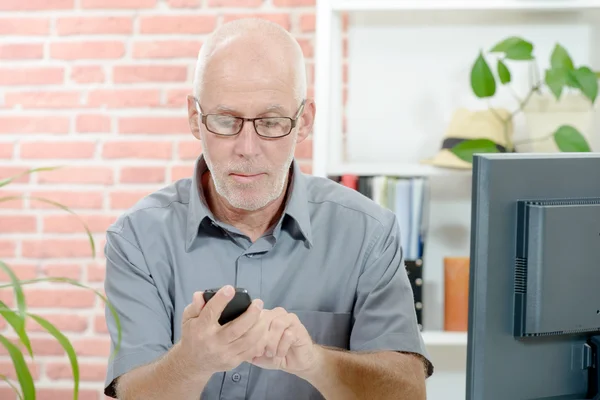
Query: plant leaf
column 514, row 48
column 6, row 181
column 465, row 150
column 586, row 81
column 12, row 385
column 560, row 58
column 66, row 344
column 598, row 74
column 75, row 283
column 569, row 139
column 23, row 373
column 503, row 72
column 556, row 80
column 482, row 79
column 22, row 307
column 59, row 205
column 18, row 325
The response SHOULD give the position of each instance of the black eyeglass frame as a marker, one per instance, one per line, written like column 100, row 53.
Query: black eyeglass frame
column 294, row 121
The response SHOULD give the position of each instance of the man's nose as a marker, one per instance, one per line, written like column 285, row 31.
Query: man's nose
column 247, row 141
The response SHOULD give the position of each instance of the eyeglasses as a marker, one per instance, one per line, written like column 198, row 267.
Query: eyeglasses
column 267, row 127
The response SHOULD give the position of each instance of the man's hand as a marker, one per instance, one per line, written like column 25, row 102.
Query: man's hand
column 289, row 347
column 210, row 347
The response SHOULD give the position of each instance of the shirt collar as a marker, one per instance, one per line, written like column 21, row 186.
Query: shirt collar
column 296, row 204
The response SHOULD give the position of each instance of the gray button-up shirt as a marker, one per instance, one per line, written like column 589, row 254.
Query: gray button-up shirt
column 334, row 259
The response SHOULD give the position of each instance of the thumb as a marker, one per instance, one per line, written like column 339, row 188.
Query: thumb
column 193, row 309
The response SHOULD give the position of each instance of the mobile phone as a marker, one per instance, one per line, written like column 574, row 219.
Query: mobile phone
column 236, row 306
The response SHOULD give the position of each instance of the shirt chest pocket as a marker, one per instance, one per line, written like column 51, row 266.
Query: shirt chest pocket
column 326, row 328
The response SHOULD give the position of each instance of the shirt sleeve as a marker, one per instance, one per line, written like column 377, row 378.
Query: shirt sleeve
column 384, row 313
column 145, row 323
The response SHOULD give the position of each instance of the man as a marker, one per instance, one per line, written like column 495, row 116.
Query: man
column 332, row 315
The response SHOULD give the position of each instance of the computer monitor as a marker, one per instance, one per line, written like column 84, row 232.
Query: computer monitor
column 534, row 285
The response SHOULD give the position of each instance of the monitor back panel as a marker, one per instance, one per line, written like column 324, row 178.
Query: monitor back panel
column 500, row 365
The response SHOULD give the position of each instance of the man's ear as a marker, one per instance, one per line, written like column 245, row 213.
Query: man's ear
column 193, row 116
column 307, row 120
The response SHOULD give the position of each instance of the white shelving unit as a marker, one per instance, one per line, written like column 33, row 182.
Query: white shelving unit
column 547, row 21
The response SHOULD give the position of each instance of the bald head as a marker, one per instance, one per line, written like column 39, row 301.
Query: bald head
column 251, row 52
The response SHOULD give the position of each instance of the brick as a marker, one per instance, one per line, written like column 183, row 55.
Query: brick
column 56, row 248
column 24, row 26
column 235, row 3
column 137, row 150
column 307, row 47
column 189, row 149
column 18, row 224
column 36, row 5
column 78, row 174
column 22, row 271
column 107, row 49
column 88, row 372
column 87, row 74
column 21, row 51
column 281, row 19
column 67, row 150
column 181, row 172
column 58, row 297
column 71, row 271
column 31, row 76
column 122, row 4
column 149, row 73
column 92, row 123
column 308, row 22
column 294, row 3
column 8, row 248
column 43, row 99
column 177, row 97
column 12, row 204
column 92, row 346
column 62, row 394
column 167, row 49
column 94, row 25
column 68, row 223
column 165, row 24
column 66, row 323
column 6, row 150
column 304, row 149
column 306, row 168
column 9, row 172
column 122, row 200
column 100, row 324
column 96, row 272
column 142, row 175
column 72, row 199
column 7, row 369
column 124, row 98
column 153, row 125
column 34, row 124
column 184, row 3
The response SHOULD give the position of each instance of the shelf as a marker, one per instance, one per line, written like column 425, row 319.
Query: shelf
column 393, row 169
column 441, row 338
column 464, row 5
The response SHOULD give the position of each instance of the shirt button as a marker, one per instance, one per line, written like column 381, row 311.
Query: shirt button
column 236, row 377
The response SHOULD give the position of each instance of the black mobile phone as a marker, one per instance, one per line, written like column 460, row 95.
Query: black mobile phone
column 236, row 306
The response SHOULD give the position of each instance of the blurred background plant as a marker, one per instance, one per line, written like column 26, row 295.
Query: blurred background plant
column 561, row 77
column 25, row 388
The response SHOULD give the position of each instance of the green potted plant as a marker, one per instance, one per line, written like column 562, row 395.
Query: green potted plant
column 16, row 318
column 562, row 77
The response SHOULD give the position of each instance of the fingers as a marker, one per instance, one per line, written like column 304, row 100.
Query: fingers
column 277, row 328
column 287, row 340
column 193, row 309
column 215, row 306
column 235, row 329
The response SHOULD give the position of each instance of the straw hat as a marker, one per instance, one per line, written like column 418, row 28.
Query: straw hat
column 467, row 124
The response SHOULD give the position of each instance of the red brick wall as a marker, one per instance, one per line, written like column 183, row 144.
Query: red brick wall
column 97, row 86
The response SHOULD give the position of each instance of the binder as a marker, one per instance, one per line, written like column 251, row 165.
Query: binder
column 414, row 270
